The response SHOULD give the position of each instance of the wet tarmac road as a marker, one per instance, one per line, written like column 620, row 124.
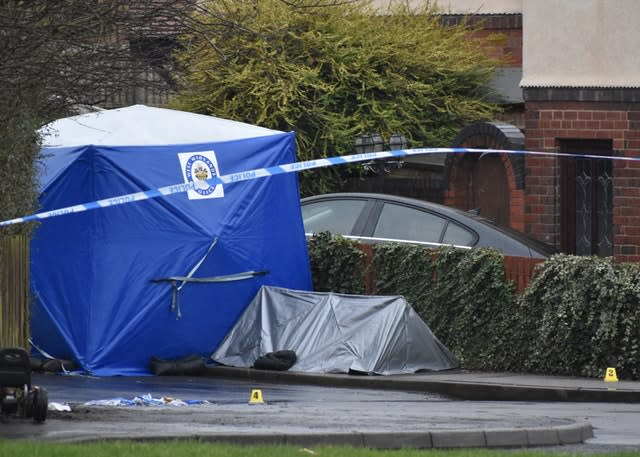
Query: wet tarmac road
column 305, row 414
column 290, row 414
column 81, row 389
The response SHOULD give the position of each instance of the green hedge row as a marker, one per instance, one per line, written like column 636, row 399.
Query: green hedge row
column 578, row 316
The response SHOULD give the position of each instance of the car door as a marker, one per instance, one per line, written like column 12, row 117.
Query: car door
column 404, row 223
column 345, row 216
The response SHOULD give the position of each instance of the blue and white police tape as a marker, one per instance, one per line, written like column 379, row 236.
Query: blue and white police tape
column 280, row 169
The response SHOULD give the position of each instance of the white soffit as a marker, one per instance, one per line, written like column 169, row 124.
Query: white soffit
column 581, row 43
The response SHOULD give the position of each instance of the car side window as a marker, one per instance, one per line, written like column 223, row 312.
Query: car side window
column 337, row 216
column 400, row 222
column 458, row 235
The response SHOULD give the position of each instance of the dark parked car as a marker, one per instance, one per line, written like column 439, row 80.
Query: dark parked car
column 373, row 218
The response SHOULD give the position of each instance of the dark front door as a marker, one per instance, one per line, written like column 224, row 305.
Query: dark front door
column 586, row 189
column 490, row 189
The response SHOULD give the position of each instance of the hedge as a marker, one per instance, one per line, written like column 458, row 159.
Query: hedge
column 578, row 316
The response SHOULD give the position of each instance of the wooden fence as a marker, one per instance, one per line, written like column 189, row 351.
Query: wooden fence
column 14, row 291
column 518, row 270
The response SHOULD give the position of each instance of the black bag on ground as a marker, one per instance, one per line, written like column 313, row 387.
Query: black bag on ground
column 52, row 365
column 278, row 360
column 184, row 366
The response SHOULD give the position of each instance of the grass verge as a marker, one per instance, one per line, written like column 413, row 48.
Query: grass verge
column 201, row 449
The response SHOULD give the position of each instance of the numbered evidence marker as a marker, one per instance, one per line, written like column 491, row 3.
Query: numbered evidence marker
column 256, row 397
column 611, row 375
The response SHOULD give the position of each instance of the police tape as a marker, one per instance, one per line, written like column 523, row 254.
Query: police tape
column 293, row 167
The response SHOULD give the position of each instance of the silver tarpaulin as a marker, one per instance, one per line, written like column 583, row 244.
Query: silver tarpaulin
column 334, row 333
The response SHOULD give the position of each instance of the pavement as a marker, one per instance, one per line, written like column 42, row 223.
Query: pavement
column 461, row 384
column 470, row 417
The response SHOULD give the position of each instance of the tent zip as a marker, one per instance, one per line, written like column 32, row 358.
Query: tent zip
column 183, row 280
column 174, row 280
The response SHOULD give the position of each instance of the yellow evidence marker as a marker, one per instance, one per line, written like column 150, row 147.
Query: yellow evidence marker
column 611, row 375
column 256, row 397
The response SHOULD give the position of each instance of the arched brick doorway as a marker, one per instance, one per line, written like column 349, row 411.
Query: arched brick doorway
column 491, row 184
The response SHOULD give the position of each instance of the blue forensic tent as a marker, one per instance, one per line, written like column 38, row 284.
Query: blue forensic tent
column 169, row 276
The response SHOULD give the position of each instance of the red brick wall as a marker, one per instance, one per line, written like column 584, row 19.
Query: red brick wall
column 456, row 193
column 500, row 35
column 504, row 45
column 548, row 122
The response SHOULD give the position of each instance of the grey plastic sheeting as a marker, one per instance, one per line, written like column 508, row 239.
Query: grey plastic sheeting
column 334, row 333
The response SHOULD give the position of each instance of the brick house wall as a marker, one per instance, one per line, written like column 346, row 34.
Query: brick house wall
column 582, row 97
column 500, row 37
column 560, row 111
column 503, row 44
column 500, row 34
column 551, row 121
column 500, row 196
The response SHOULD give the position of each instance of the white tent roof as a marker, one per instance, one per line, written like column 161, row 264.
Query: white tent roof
column 140, row 125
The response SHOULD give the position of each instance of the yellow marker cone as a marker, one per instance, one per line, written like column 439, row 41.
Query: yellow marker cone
column 256, row 397
column 611, row 375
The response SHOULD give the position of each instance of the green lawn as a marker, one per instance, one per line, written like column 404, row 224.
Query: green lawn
column 199, row 449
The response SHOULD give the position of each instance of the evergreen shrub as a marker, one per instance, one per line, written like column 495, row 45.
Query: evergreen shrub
column 578, row 316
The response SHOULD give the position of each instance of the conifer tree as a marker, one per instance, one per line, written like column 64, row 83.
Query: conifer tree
column 333, row 72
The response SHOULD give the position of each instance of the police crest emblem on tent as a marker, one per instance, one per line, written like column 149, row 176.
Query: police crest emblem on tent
column 198, row 167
